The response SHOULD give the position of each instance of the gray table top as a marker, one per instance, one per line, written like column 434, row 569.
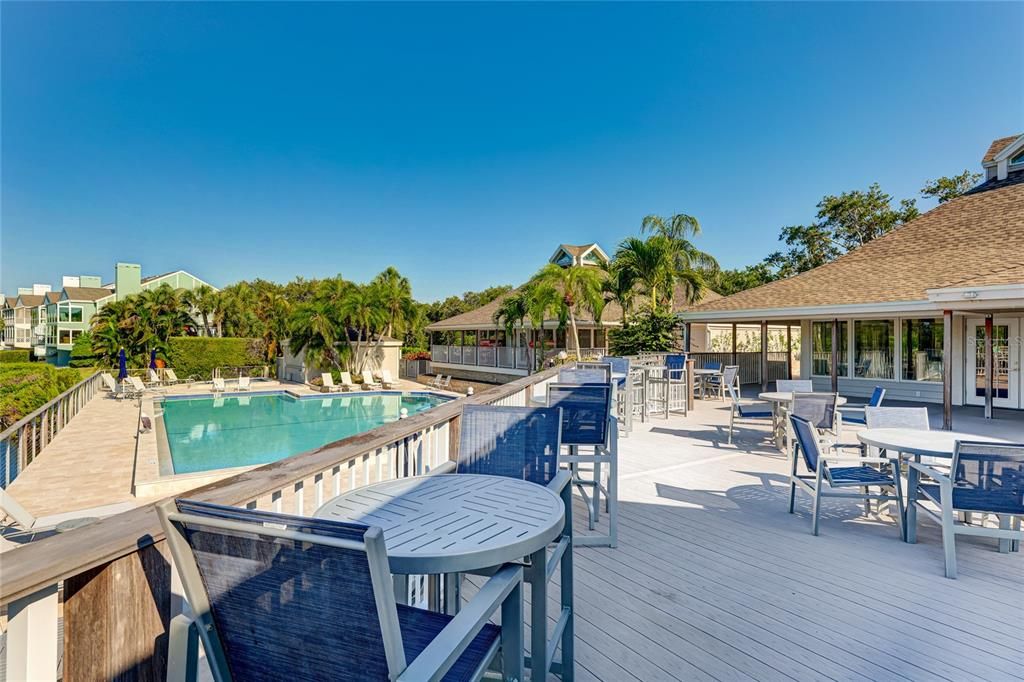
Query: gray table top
column 919, row 441
column 707, row 371
column 455, row 522
column 787, row 397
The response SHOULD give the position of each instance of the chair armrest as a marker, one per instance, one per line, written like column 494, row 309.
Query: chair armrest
column 435, row 660
column 851, row 408
column 849, row 446
column 448, row 467
column 857, row 460
column 931, row 472
column 561, row 479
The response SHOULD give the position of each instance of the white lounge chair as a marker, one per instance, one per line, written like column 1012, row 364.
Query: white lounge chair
column 136, row 387
column 385, row 379
column 170, row 377
column 19, row 526
column 445, row 384
column 244, row 383
column 369, row 383
column 154, row 378
column 218, row 385
column 111, row 384
column 328, row 381
column 346, row 382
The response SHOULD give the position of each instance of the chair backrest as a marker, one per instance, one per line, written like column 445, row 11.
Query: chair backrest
column 806, row 441
column 794, row 386
column 109, row 381
column 136, row 383
column 367, row 377
column 385, row 376
column 817, row 408
column 734, row 392
column 585, row 412
column 169, row 373
column 989, row 476
column 12, row 508
column 218, row 384
column 877, row 396
column 244, row 382
column 153, row 376
column 896, row 418
column 517, row 442
column 327, row 379
column 585, row 375
column 346, row 378
column 730, row 374
column 675, row 361
column 269, row 591
column 713, row 364
column 619, row 366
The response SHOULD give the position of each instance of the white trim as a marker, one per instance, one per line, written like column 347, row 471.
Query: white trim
column 812, row 312
column 968, row 295
column 1007, row 151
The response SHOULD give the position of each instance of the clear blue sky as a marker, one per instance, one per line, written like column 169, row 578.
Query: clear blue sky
column 462, row 142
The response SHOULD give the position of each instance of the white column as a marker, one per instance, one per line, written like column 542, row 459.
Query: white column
column 32, row 636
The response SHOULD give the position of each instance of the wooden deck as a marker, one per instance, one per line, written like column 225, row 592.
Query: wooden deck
column 714, row 580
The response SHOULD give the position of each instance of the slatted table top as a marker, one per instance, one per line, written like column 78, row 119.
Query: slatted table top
column 453, row 523
column 920, row 441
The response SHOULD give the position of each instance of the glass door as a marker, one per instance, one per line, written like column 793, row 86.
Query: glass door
column 1006, row 358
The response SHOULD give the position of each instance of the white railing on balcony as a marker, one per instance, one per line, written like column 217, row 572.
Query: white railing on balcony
column 506, row 357
column 116, row 574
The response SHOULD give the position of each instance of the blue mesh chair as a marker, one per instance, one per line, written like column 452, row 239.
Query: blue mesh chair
column 750, row 413
column 817, row 408
column 675, row 365
column 278, row 597
column 713, row 382
column 524, row 443
column 620, row 368
column 854, row 414
column 822, row 470
column 588, row 423
column 983, row 478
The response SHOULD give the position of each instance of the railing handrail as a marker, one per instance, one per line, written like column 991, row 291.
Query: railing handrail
column 12, row 429
column 42, row 563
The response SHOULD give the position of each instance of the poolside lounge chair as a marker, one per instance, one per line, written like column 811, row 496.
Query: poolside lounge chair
column 446, row 383
column 854, row 414
column 279, row 597
column 346, row 382
column 170, row 377
column 983, row 478
column 385, row 379
column 327, row 379
column 754, row 413
column 111, row 384
column 244, row 384
column 524, row 443
column 154, row 378
column 137, row 388
column 855, row 473
column 369, row 384
column 218, row 385
column 19, row 526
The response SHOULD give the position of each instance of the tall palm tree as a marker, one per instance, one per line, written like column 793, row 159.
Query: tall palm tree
column 396, row 296
column 274, row 312
column 648, row 263
column 513, row 311
column 691, row 265
column 619, row 285
column 574, row 289
column 361, row 310
column 203, row 300
column 314, row 328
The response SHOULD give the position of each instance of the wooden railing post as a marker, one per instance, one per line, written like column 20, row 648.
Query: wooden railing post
column 689, row 383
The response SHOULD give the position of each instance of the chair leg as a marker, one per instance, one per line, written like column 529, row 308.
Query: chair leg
column 512, row 635
column 1004, row 543
column 537, row 574
column 948, row 535
column 816, row 511
column 900, row 513
column 732, row 418
column 910, row 528
column 566, row 576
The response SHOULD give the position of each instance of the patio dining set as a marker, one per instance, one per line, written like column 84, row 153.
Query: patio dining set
column 968, row 483
column 268, row 591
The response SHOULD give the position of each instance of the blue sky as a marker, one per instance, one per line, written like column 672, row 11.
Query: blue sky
column 462, row 142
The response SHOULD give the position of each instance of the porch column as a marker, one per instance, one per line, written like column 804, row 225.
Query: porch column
column 989, row 367
column 789, row 351
column 764, row 355
column 733, row 343
column 835, row 356
column 686, row 337
column 947, row 370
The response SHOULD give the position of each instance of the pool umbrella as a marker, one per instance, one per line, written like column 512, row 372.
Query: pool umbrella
column 152, row 359
column 122, row 366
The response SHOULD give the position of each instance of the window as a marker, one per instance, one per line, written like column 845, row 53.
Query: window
column 1017, row 160
column 874, row 344
column 598, row 338
column 821, row 348
column 64, row 336
column 70, row 313
column 922, row 350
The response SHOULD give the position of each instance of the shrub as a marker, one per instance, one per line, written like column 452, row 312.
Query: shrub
column 651, row 331
column 417, row 355
column 17, row 355
column 82, row 354
column 199, row 355
column 27, row 386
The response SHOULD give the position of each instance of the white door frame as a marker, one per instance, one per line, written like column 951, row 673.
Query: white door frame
column 1014, row 393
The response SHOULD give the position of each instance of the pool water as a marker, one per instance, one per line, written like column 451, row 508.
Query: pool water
column 204, row 434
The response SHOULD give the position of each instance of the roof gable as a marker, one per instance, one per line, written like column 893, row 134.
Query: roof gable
column 1002, row 148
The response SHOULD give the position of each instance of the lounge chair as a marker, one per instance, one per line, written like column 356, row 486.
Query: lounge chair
column 218, row 385
column 244, row 383
column 279, row 597
column 753, row 413
column 111, row 384
column 445, row 384
column 327, row 379
column 436, row 381
column 855, row 473
column 20, row 526
column 346, row 382
column 854, row 414
column 385, row 379
column 983, row 478
column 170, row 377
column 154, row 378
column 369, row 384
column 137, row 388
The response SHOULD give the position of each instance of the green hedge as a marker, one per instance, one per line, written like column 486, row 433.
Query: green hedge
column 18, row 355
column 198, row 355
column 27, row 386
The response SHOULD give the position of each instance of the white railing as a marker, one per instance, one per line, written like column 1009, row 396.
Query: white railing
column 116, row 574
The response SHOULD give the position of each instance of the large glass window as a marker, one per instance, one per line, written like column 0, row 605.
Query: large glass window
column 70, row 313
column 874, row 348
column 922, row 350
column 821, row 348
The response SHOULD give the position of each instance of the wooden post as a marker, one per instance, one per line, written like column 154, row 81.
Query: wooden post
column 989, row 367
column 764, row 355
column 947, row 370
column 689, row 383
column 733, row 343
column 789, row 351
column 686, row 337
column 835, row 356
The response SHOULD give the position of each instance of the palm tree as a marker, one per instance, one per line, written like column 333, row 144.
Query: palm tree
column 691, row 265
column 362, row 311
column 619, row 285
column 572, row 290
column 396, row 296
column 274, row 312
column 314, row 328
column 648, row 263
column 203, row 300
column 513, row 311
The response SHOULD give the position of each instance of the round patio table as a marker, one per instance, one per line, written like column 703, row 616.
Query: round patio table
column 453, row 523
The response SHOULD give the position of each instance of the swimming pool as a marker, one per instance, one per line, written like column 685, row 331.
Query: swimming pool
column 205, row 434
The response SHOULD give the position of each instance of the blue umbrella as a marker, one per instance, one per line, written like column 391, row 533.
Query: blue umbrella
column 122, row 366
column 152, row 359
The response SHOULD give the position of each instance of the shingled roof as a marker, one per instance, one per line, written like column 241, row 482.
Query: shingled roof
column 973, row 240
column 86, row 293
column 998, row 146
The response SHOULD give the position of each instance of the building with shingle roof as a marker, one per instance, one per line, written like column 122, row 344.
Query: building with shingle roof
column 931, row 290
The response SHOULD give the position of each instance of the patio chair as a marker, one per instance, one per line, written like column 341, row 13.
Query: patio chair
column 794, row 386
column 218, row 385
column 819, row 409
column 445, row 384
column 386, row 380
column 369, row 384
column 675, row 365
column 346, row 382
column 824, row 470
column 525, row 443
column 244, row 384
column 757, row 413
column 854, row 414
column 588, row 422
column 983, row 478
column 713, row 382
column 279, row 597
column 592, row 374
